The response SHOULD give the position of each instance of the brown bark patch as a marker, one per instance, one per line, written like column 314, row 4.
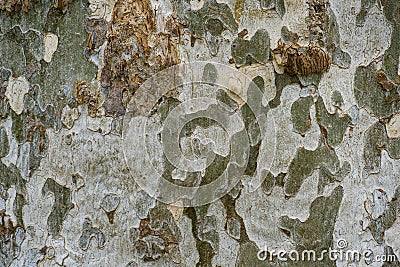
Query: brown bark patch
column 134, row 52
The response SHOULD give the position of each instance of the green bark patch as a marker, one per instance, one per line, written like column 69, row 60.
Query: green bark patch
column 11, row 177
column 270, row 181
column 387, row 219
column 376, row 140
column 370, row 95
column 280, row 8
column 339, row 57
column 300, row 112
column 306, row 161
column 211, row 10
column 337, row 99
column 21, row 51
column 203, row 245
column 391, row 56
column 247, row 256
column 156, row 235
column 335, row 125
column 254, row 51
column 109, row 204
column 289, row 36
column 251, row 124
column 316, row 233
column 4, row 144
column 208, row 22
column 30, row 126
column 362, row 15
column 4, row 107
column 277, row 5
column 88, row 232
column 62, row 205
column 238, row 232
column 281, row 81
column 68, row 64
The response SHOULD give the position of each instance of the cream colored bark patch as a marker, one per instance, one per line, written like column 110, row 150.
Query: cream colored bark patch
column 176, row 209
column 393, row 127
column 101, row 9
column 196, row 4
column 50, row 46
column 69, row 116
column 16, row 90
